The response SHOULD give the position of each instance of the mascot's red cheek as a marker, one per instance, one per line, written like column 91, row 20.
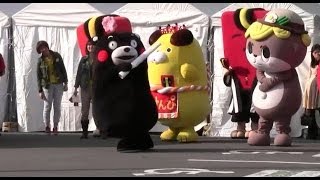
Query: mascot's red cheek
column 142, row 50
column 102, row 56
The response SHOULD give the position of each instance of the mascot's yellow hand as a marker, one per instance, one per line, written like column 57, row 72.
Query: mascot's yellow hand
column 189, row 72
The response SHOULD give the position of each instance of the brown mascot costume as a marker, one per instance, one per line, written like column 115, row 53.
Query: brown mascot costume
column 276, row 45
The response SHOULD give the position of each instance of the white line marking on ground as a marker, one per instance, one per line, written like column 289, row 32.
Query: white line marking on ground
column 258, row 152
column 262, row 173
column 284, row 173
column 317, row 155
column 178, row 171
column 307, row 174
column 273, row 162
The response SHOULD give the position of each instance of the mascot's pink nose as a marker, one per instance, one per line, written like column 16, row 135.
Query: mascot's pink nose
column 102, row 55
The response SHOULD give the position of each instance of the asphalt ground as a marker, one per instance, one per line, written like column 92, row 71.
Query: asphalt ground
column 66, row 155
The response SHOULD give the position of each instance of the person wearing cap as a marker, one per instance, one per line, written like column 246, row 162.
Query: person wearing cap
column 52, row 82
column 84, row 81
column 2, row 66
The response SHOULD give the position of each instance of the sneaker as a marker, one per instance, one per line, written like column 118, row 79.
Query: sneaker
column 47, row 129
column 55, row 131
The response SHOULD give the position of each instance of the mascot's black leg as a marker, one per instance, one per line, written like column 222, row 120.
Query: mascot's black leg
column 137, row 143
column 305, row 120
column 312, row 128
column 84, row 124
column 103, row 134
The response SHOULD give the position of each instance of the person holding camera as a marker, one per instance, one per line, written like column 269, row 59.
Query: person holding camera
column 84, row 80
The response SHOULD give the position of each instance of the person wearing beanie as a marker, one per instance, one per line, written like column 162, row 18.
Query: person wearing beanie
column 52, row 82
column 84, row 81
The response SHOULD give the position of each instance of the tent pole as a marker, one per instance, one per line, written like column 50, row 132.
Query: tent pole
column 210, row 54
column 206, row 128
column 10, row 123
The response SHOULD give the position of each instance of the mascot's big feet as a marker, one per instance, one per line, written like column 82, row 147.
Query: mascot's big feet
column 240, row 133
column 169, row 135
column 259, row 139
column 282, row 139
column 254, row 127
column 187, row 135
column 135, row 144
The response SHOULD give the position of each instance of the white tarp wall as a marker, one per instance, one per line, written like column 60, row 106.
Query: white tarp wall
column 4, row 80
column 221, row 124
column 147, row 17
column 56, row 23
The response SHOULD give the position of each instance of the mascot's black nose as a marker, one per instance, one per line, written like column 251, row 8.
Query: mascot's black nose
column 126, row 49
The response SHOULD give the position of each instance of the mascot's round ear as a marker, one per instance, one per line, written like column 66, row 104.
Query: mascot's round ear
column 243, row 17
column 182, row 37
column 154, row 36
column 240, row 18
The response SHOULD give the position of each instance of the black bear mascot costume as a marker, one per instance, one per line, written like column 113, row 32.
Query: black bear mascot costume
column 124, row 107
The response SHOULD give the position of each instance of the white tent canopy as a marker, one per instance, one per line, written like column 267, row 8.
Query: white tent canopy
column 221, row 124
column 4, row 80
column 56, row 23
column 56, row 15
column 147, row 17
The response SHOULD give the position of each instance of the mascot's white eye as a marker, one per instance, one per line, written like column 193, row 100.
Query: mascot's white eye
column 134, row 43
column 113, row 45
column 265, row 52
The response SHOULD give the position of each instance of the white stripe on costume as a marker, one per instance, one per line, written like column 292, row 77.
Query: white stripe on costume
column 234, row 96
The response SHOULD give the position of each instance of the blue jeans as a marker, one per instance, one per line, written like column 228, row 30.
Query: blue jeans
column 54, row 95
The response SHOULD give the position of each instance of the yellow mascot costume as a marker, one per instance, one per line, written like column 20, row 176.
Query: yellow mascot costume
column 179, row 83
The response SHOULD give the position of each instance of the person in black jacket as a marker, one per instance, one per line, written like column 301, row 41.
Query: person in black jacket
column 2, row 66
column 311, row 95
column 84, row 80
column 52, row 81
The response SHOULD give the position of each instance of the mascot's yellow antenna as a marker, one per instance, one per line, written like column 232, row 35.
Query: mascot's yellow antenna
column 91, row 27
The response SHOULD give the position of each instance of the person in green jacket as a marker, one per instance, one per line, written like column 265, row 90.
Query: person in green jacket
column 84, row 81
column 52, row 82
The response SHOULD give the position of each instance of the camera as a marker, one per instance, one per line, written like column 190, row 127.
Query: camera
column 75, row 100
